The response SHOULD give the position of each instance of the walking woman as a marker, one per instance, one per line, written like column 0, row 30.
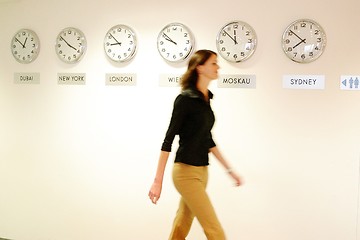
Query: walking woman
column 192, row 119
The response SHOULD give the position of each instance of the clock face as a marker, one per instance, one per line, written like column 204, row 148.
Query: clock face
column 304, row 41
column 70, row 45
column 175, row 42
column 25, row 46
column 236, row 41
column 120, row 43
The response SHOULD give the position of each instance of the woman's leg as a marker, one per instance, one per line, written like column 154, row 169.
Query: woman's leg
column 182, row 222
column 191, row 182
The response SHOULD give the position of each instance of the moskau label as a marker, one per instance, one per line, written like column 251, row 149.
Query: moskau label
column 237, row 81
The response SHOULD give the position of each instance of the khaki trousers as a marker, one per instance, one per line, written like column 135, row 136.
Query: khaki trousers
column 190, row 182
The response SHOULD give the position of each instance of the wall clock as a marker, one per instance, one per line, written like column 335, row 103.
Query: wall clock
column 120, row 43
column 175, row 42
column 25, row 46
column 70, row 45
column 236, row 41
column 304, row 41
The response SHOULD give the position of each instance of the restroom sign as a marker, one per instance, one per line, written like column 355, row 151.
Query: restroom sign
column 349, row 83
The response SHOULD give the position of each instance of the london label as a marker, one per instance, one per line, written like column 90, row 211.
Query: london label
column 120, row 79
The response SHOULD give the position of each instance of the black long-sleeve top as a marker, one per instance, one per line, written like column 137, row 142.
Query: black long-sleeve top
column 192, row 119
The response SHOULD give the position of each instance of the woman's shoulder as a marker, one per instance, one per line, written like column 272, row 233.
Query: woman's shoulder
column 191, row 93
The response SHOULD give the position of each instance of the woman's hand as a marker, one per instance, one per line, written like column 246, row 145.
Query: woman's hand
column 237, row 178
column 155, row 192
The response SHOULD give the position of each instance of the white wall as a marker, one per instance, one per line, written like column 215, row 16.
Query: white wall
column 76, row 162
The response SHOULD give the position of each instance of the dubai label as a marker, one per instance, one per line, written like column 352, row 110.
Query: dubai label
column 26, row 78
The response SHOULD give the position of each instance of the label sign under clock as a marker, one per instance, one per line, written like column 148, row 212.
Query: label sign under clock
column 71, row 78
column 170, row 80
column 120, row 79
column 237, row 81
column 304, row 81
column 26, row 78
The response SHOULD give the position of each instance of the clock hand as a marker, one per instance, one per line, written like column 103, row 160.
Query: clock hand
column 68, row 43
column 168, row 38
column 24, row 46
column 302, row 41
column 20, row 42
column 234, row 39
column 296, row 35
column 117, row 42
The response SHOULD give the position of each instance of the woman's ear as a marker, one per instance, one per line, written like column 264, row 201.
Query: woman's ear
column 199, row 69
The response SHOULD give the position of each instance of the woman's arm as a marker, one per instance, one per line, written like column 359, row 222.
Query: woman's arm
column 222, row 160
column 155, row 190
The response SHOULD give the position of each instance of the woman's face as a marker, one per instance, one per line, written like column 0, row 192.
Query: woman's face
column 210, row 68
